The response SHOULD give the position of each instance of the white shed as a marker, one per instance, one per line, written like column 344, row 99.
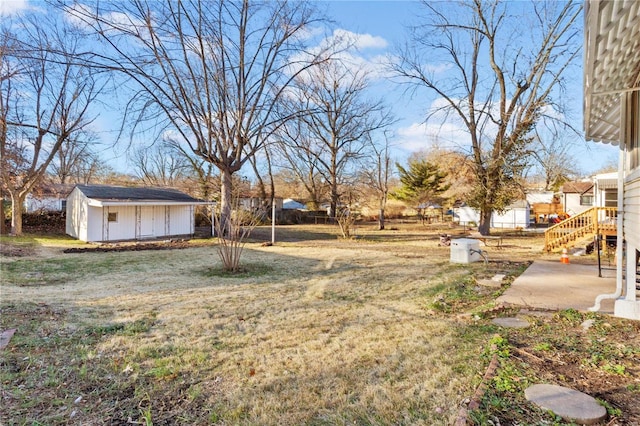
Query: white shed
column 101, row 213
column 516, row 215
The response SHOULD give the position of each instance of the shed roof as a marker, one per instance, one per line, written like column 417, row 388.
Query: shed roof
column 577, row 187
column 612, row 65
column 130, row 194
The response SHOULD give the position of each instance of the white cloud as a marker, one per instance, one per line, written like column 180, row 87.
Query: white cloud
column 78, row 14
column 421, row 136
column 348, row 47
column 11, row 7
column 360, row 41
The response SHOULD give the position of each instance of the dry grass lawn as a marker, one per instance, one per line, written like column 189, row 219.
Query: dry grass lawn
column 316, row 331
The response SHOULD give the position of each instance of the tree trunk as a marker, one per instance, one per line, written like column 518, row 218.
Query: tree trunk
column 226, row 195
column 2, row 217
column 381, row 220
column 484, row 227
column 334, row 201
column 17, row 206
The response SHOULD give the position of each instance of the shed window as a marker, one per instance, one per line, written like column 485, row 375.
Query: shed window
column 586, row 200
column 112, row 217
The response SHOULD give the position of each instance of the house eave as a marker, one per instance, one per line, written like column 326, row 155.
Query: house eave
column 106, row 203
column 611, row 64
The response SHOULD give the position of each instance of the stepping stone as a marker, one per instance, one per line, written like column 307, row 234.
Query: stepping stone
column 571, row 405
column 5, row 337
column 490, row 283
column 498, row 278
column 511, row 322
column 496, row 281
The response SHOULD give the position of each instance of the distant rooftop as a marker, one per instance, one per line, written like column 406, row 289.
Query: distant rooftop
column 577, row 187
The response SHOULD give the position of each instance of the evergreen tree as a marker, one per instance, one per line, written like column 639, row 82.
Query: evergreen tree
column 423, row 182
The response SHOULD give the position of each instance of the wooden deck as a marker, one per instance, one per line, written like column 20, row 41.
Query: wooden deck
column 595, row 221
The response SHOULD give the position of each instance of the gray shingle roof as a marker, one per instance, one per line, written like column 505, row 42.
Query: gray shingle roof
column 127, row 193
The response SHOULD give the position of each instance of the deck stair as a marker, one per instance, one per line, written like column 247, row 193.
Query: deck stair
column 591, row 222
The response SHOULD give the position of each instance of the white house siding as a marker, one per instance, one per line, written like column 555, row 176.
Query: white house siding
column 42, row 204
column 632, row 212
column 94, row 223
column 571, row 204
column 144, row 221
column 181, row 220
column 612, row 115
column 123, row 228
column 77, row 216
column 90, row 223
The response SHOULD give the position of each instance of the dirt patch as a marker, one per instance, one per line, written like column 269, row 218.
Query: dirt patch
column 164, row 245
column 12, row 250
column 591, row 353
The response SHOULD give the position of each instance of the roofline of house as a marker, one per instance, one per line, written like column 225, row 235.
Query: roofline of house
column 103, row 203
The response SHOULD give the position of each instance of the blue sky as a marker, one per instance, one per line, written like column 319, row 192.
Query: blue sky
column 388, row 20
column 379, row 27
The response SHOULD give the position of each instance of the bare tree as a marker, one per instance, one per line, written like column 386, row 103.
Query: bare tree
column 159, row 165
column 552, row 157
column 199, row 171
column 76, row 160
column 335, row 132
column 498, row 64
column 44, row 101
column 295, row 150
column 376, row 176
column 212, row 72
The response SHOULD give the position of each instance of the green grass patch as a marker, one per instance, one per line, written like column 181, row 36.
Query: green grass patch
column 28, row 271
column 41, row 240
column 247, row 270
column 455, row 290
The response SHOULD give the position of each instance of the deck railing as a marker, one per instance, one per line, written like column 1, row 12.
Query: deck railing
column 594, row 221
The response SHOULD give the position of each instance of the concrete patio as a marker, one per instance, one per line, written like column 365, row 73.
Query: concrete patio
column 550, row 285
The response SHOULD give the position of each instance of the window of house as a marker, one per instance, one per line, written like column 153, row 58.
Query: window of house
column 586, row 200
column 112, row 217
column 611, row 198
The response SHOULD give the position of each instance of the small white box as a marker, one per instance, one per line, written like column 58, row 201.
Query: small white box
column 465, row 250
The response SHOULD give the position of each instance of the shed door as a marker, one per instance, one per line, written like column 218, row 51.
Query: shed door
column 146, row 222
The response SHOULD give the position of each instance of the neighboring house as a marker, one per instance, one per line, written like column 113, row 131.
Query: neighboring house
column 517, row 215
column 612, row 115
column 576, row 197
column 101, row 213
column 605, row 190
column 291, row 204
column 544, row 197
column 257, row 204
column 544, row 205
column 51, row 197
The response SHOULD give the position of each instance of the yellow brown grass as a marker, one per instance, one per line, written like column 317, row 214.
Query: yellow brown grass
column 316, row 332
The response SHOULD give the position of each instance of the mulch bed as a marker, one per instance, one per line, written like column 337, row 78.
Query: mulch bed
column 165, row 245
